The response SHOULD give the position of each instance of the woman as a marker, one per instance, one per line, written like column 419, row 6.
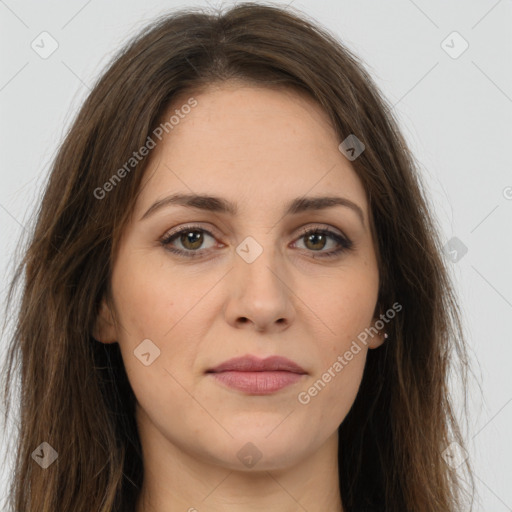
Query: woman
column 234, row 295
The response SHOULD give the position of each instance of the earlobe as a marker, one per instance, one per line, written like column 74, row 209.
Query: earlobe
column 378, row 340
column 104, row 329
column 381, row 336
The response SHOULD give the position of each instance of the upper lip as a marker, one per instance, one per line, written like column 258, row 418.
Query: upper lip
column 254, row 364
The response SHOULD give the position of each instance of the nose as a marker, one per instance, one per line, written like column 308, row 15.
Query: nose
column 260, row 294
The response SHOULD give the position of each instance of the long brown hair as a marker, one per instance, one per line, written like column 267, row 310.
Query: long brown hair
column 74, row 393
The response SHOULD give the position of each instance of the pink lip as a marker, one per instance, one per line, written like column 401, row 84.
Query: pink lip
column 258, row 376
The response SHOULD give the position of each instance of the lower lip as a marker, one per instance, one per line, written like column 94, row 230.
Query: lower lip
column 260, row 383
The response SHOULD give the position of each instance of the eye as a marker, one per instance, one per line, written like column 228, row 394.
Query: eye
column 191, row 239
column 317, row 239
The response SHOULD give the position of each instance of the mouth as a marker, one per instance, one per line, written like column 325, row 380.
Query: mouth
column 258, row 376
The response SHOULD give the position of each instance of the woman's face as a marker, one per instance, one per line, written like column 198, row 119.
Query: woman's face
column 251, row 283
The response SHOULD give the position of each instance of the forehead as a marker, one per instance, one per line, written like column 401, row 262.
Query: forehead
column 248, row 143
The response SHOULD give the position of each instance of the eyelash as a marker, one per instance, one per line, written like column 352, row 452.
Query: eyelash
column 346, row 245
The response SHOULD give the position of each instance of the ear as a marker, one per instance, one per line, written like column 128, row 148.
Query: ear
column 378, row 339
column 104, row 328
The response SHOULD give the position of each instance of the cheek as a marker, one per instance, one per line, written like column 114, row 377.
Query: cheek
column 344, row 387
column 329, row 396
column 153, row 305
column 149, row 299
column 346, row 308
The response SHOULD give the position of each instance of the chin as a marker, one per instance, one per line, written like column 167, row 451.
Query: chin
column 257, row 451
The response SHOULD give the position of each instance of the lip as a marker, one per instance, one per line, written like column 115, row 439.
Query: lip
column 254, row 364
column 252, row 375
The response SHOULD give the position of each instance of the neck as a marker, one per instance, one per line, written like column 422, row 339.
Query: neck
column 179, row 480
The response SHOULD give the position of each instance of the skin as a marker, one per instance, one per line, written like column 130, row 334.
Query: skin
column 260, row 148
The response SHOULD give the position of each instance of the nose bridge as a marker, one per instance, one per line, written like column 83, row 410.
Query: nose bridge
column 258, row 262
column 259, row 292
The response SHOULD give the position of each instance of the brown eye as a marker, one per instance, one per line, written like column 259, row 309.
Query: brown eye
column 316, row 240
column 191, row 240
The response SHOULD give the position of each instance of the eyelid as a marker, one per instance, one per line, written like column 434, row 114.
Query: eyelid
column 192, row 226
column 320, row 226
column 345, row 244
column 306, row 228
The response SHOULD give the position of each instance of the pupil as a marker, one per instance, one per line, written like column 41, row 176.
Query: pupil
column 317, row 235
column 192, row 237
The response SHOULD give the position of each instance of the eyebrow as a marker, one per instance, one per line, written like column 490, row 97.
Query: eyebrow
column 219, row 205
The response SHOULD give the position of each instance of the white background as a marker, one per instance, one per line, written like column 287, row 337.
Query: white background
column 456, row 114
